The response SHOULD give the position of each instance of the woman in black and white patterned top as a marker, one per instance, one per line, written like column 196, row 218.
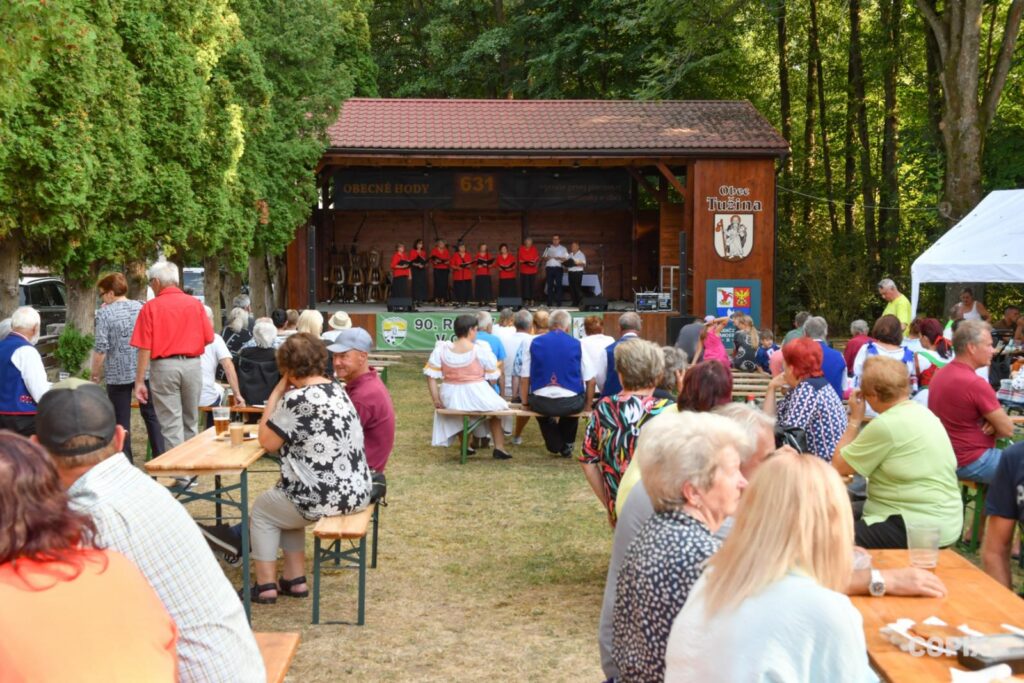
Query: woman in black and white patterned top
column 114, row 359
column 311, row 422
column 690, row 468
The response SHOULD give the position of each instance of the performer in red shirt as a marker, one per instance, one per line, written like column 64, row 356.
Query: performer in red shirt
column 418, row 266
column 400, row 272
column 462, row 267
column 506, row 272
column 440, row 257
column 484, row 262
column 528, row 260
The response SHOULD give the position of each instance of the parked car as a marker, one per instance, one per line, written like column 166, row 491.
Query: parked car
column 48, row 296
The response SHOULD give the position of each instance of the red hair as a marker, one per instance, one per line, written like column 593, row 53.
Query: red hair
column 803, row 356
column 705, row 386
column 35, row 520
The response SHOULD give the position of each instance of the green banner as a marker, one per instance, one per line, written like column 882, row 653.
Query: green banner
column 422, row 331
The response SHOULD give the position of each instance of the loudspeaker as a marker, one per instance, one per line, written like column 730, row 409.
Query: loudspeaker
column 594, row 303
column 676, row 323
column 513, row 302
column 400, row 304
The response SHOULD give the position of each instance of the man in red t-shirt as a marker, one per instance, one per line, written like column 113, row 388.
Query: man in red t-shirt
column 967, row 405
column 172, row 331
column 859, row 332
column 369, row 396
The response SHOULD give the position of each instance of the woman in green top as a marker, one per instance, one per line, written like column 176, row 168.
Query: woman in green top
column 906, row 456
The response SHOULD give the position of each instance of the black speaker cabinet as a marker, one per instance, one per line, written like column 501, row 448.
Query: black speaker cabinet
column 400, row 304
column 676, row 323
column 594, row 303
column 513, row 302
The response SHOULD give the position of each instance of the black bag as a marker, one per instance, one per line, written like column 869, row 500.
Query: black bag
column 795, row 437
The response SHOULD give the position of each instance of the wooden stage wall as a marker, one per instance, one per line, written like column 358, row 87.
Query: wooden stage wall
column 607, row 238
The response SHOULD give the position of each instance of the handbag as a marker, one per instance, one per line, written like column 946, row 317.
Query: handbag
column 794, row 437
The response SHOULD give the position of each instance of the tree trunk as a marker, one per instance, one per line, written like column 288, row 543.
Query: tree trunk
column 808, row 150
column 211, row 288
column 969, row 105
column 785, row 112
column 135, row 273
column 232, row 287
column 10, row 265
column 815, row 52
column 889, row 197
column 933, row 84
column 259, row 285
column 280, row 279
column 82, row 300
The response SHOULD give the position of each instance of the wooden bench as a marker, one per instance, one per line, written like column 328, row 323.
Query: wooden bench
column 346, row 548
column 472, row 418
column 277, row 649
column 746, row 384
column 973, row 495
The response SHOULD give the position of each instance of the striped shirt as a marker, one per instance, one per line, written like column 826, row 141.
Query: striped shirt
column 139, row 518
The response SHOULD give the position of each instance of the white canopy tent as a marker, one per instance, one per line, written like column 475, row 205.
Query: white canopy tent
column 986, row 246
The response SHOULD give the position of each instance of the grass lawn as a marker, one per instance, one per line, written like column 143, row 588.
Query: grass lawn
column 492, row 570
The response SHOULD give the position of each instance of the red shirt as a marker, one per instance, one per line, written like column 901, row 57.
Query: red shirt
column 400, row 264
column 460, row 272
column 418, row 254
column 852, row 347
column 443, row 256
column 172, row 324
column 482, row 268
column 503, row 263
column 959, row 397
column 528, row 255
column 377, row 415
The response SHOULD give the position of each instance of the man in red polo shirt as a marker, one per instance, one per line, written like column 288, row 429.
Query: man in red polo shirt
column 967, row 405
column 370, row 398
column 172, row 331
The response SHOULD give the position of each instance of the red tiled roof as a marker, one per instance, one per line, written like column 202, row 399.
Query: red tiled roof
column 553, row 126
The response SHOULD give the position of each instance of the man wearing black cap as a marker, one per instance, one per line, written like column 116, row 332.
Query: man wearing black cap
column 140, row 519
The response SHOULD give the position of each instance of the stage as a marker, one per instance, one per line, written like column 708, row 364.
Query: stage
column 418, row 331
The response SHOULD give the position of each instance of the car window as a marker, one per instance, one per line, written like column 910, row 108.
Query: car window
column 49, row 296
column 61, row 297
column 21, row 295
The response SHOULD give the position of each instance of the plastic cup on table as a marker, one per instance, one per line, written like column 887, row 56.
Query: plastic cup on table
column 923, row 544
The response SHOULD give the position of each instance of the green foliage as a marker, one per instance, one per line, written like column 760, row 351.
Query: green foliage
column 73, row 348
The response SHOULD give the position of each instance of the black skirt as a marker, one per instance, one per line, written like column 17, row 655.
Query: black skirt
column 527, row 283
column 507, row 288
column 400, row 287
column 483, row 288
column 419, row 284
column 462, row 290
column 441, row 284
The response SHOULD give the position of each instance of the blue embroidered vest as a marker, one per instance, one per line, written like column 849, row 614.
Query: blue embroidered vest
column 14, row 396
column 555, row 360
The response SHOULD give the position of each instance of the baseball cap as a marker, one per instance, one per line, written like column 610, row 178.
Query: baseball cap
column 340, row 321
column 709, row 318
column 74, row 407
column 353, row 338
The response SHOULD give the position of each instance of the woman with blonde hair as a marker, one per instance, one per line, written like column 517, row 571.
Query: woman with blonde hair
column 744, row 344
column 311, row 322
column 774, row 591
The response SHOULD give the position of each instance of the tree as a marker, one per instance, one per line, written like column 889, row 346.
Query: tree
column 970, row 93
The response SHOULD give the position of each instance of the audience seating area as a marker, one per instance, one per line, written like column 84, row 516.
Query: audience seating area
column 345, row 536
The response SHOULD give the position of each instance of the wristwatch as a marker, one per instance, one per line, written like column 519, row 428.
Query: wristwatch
column 877, row 584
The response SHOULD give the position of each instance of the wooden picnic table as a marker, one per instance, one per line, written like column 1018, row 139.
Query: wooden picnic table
column 277, row 650
column 205, row 455
column 974, row 598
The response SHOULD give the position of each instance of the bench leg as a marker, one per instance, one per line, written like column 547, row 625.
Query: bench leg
column 316, row 581
column 373, row 552
column 465, row 438
column 362, row 581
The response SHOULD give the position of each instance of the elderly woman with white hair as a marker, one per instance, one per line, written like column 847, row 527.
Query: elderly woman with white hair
column 257, row 364
column 770, row 604
column 216, row 354
column 690, row 466
column 236, row 332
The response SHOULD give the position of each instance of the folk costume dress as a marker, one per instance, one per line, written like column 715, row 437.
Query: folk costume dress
column 464, row 386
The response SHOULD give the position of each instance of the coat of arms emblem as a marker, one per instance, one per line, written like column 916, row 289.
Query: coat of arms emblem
column 734, row 235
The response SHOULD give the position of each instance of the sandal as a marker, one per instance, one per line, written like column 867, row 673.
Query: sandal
column 254, row 593
column 286, row 587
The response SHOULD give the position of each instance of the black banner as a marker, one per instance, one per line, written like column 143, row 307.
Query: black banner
column 473, row 189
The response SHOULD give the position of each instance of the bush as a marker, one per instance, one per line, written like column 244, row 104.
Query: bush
column 73, row 349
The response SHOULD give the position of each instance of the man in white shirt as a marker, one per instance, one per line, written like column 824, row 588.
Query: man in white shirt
column 216, row 353
column 579, row 264
column 554, row 256
column 140, row 519
column 22, row 375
